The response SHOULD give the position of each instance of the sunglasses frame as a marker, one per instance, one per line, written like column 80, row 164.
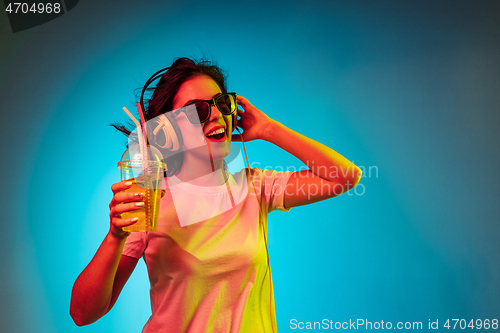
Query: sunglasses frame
column 210, row 102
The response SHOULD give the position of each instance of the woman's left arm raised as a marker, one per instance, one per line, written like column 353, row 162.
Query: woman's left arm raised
column 330, row 174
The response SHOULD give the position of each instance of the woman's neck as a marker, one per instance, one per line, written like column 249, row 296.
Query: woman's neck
column 201, row 172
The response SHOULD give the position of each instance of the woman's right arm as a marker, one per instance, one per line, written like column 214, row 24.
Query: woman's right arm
column 96, row 289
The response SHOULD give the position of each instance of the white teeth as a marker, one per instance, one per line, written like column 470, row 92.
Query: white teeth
column 219, row 131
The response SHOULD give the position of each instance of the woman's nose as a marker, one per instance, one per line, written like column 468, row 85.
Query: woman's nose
column 215, row 113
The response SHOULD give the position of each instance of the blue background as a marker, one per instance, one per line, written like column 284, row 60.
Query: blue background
column 408, row 90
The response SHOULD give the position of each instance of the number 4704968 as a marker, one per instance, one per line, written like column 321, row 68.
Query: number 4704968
column 36, row 8
column 477, row 324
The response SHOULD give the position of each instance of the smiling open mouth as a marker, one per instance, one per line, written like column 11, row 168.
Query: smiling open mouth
column 217, row 135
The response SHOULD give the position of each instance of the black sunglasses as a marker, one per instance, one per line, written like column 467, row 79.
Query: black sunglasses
column 199, row 111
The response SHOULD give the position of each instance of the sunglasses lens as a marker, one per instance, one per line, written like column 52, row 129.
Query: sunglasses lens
column 198, row 112
column 226, row 104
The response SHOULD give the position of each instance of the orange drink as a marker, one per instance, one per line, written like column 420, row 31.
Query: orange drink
column 145, row 169
column 147, row 214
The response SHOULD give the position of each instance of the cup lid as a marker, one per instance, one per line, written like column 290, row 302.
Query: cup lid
column 134, row 157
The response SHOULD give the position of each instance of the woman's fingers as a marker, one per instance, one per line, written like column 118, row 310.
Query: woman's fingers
column 118, row 210
column 123, row 201
column 121, row 223
column 240, row 99
column 121, row 186
column 121, row 197
column 117, row 224
column 243, row 102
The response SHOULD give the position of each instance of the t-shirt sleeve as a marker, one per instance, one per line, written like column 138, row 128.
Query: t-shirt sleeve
column 135, row 244
column 272, row 188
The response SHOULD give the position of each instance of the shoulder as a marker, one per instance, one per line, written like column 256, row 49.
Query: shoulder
column 258, row 172
column 264, row 177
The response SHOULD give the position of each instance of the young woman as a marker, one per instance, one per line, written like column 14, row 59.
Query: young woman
column 207, row 263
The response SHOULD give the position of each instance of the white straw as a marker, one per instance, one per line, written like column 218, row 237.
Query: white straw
column 140, row 137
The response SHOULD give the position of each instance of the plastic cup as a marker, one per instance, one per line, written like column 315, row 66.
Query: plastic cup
column 147, row 177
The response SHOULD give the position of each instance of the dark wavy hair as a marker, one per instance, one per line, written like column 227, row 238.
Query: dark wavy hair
column 163, row 95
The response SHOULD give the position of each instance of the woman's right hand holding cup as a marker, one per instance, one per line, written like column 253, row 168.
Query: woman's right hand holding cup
column 123, row 201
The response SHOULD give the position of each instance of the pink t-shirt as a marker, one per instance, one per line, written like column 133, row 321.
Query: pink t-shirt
column 210, row 274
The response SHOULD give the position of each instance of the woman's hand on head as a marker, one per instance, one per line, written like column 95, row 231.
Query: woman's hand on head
column 123, row 202
column 254, row 123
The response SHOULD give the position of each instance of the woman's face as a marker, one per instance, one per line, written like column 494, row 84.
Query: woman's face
column 202, row 87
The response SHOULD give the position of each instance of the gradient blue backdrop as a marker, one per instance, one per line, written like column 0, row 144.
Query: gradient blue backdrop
column 406, row 89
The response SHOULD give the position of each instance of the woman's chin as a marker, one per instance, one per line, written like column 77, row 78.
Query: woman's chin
column 219, row 147
column 220, row 150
